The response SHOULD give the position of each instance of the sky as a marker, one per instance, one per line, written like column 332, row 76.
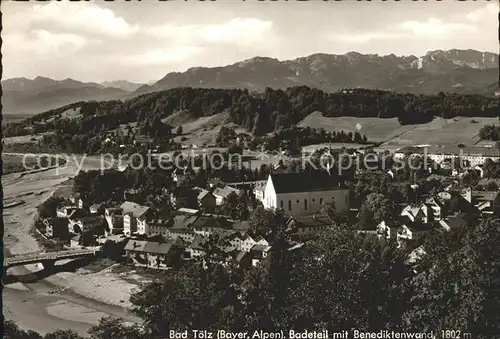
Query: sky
column 143, row 41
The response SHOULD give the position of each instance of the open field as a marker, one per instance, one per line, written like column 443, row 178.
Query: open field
column 439, row 131
column 14, row 163
column 203, row 131
column 445, row 132
column 13, row 117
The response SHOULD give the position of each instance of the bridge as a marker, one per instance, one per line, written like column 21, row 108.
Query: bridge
column 47, row 259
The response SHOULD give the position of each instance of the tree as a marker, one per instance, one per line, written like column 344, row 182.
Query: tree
column 235, row 148
column 459, row 288
column 345, row 280
column 379, row 208
column 12, row 331
column 63, row 334
column 178, row 131
column 48, row 209
column 328, row 208
column 110, row 328
column 230, row 205
column 261, row 219
column 192, row 298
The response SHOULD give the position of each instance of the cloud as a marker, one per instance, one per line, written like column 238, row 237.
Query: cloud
column 162, row 56
column 436, row 28
column 429, row 29
column 41, row 41
column 238, row 31
column 81, row 17
column 363, row 37
column 484, row 13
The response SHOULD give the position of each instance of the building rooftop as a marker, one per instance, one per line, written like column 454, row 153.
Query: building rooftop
column 157, row 248
column 303, row 182
column 484, row 195
column 224, row 192
column 202, row 194
column 135, row 245
column 134, row 209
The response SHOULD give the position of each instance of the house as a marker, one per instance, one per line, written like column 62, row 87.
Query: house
column 304, row 193
column 76, row 200
column 114, row 219
column 483, row 201
column 409, row 233
column 134, row 249
column 207, row 225
column 187, row 211
column 417, row 214
column 75, row 241
column 259, row 190
column 65, row 211
column 437, row 207
column 206, row 201
column 222, row 193
column 384, row 231
column 142, row 140
column 454, row 222
column 93, row 224
column 197, row 248
column 77, row 213
column 131, row 194
column 183, row 197
column 135, row 217
column 181, row 228
column 162, row 255
column 96, row 208
column 156, row 227
column 259, row 253
column 179, row 175
column 248, row 242
column 303, row 228
column 153, row 254
column 56, row 228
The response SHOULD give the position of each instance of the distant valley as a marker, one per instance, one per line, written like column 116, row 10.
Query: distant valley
column 25, row 96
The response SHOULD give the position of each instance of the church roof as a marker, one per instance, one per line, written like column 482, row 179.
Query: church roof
column 303, row 182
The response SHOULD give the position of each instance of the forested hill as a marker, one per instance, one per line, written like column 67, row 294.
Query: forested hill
column 257, row 112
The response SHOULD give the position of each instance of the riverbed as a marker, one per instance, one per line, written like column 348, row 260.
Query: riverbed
column 66, row 300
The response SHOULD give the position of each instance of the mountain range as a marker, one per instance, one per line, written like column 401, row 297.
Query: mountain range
column 464, row 71
column 461, row 71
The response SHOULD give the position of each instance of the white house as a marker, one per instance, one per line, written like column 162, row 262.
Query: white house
column 421, row 213
column 304, row 193
column 134, row 218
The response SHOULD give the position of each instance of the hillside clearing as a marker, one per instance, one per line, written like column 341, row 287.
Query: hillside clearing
column 390, row 131
column 204, row 131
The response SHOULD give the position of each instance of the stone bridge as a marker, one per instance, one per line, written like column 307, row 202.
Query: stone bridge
column 47, row 259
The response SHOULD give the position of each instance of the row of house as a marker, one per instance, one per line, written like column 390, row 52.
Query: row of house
column 81, row 224
column 434, row 215
column 473, row 155
column 241, row 248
